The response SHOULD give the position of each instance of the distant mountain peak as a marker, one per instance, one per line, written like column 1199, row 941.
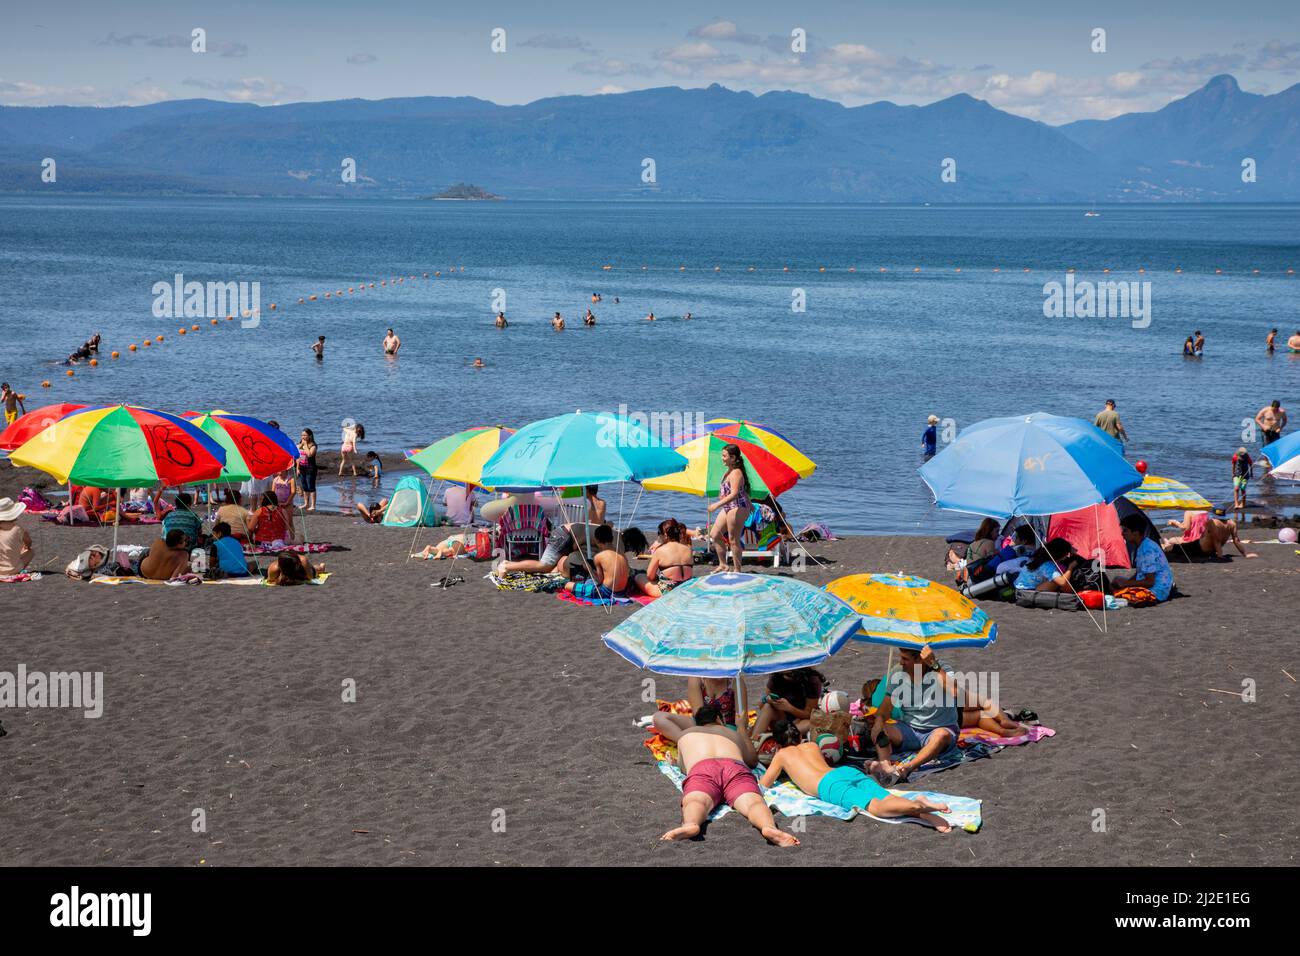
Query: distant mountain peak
column 1224, row 82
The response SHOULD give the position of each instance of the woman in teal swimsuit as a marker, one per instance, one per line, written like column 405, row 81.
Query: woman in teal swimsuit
column 733, row 509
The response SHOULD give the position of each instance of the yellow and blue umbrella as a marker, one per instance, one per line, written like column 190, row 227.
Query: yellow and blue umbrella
column 729, row 624
column 904, row 611
column 1157, row 492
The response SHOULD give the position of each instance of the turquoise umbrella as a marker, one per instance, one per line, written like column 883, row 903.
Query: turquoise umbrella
column 729, row 624
column 585, row 448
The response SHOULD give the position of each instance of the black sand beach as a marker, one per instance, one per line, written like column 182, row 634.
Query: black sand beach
column 477, row 707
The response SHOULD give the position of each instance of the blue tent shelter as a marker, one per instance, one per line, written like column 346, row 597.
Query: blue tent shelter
column 410, row 506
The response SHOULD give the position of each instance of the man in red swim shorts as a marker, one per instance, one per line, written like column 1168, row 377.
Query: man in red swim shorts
column 718, row 763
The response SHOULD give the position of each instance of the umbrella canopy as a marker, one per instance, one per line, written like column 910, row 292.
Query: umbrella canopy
column 902, row 611
column 1157, row 492
column 764, row 437
column 1284, row 455
column 1035, row 464
column 585, row 448
column 728, row 624
column 37, row 420
column 767, row 474
column 461, row 457
column 253, row 448
column 112, row 446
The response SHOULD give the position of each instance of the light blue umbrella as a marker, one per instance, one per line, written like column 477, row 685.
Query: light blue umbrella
column 729, row 624
column 1284, row 456
column 1037, row 464
column 585, row 448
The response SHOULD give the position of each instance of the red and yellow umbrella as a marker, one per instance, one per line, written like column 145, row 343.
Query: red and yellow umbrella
column 765, row 437
column 253, row 448
column 767, row 474
column 34, row 422
column 122, row 446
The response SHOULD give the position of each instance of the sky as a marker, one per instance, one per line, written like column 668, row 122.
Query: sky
column 1035, row 59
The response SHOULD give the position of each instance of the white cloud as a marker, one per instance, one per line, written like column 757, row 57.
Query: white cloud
column 22, row 93
column 251, row 89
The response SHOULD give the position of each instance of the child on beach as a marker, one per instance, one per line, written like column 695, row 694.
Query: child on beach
column 611, row 570
column 226, row 554
column 290, row 569
column 449, row 547
column 1242, row 472
column 716, row 692
column 791, row 695
column 374, row 467
column 267, row 523
column 353, row 432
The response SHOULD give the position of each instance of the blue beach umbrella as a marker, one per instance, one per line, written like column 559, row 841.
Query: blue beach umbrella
column 729, row 624
column 585, row 448
column 1037, row 464
column 1284, row 456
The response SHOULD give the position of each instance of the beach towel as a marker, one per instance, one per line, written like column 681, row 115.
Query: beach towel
column 954, row 757
column 20, row 578
column 195, row 579
column 581, row 601
column 523, row 581
column 973, row 735
column 320, row 547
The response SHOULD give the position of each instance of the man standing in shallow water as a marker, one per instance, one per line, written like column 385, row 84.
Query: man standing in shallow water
column 391, row 343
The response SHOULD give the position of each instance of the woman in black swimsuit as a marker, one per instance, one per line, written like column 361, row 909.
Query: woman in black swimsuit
column 307, row 469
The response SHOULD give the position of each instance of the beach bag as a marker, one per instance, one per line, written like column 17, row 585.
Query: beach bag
column 1052, row 600
column 483, row 544
column 1137, row 597
column 34, row 500
column 1092, row 600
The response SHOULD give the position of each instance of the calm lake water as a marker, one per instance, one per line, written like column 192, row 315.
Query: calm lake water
column 850, row 380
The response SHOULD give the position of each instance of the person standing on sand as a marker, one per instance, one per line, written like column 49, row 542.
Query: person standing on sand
column 1271, row 419
column 846, row 787
column 1270, row 343
column 319, row 348
column 718, row 763
column 391, row 343
column 12, row 403
column 733, row 507
column 1108, row 421
column 1242, row 470
column 307, row 468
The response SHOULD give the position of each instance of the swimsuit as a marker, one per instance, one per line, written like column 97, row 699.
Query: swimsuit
column 740, row 501
column 850, row 788
column 725, row 703
column 721, row 779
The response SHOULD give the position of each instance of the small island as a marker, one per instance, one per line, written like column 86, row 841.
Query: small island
column 464, row 191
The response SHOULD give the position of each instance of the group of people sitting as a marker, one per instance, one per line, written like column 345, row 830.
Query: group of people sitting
column 912, row 715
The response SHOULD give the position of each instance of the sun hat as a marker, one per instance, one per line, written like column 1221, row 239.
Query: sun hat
column 10, row 509
column 933, row 420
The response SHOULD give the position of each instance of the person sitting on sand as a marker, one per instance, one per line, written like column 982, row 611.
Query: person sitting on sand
column 95, row 502
column 290, row 569
column 238, row 518
column 373, row 512
column 1049, row 568
column 267, row 525
column 1210, row 533
column 984, row 545
column 716, row 692
column 227, row 555
column 846, row 787
column 374, row 468
column 168, row 557
column 554, row 558
column 609, row 567
column 717, row 762
column 15, row 542
column 791, row 695
column 671, row 563
column 921, row 698
column 183, row 518
column 1150, row 566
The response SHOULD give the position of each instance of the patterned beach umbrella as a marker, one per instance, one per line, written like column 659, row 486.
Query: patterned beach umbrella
column 35, row 421
column 122, row 446
column 461, row 457
column 1284, row 456
column 902, row 611
column 1037, row 464
column 253, row 448
column 1159, row 492
column 765, row 437
column 584, row 448
column 767, row 474
column 728, row 624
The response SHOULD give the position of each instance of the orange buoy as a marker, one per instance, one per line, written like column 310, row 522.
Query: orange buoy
column 159, row 339
column 182, row 331
column 272, row 306
column 71, row 373
column 1141, row 270
column 1105, row 270
column 917, row 269
column 116, row 354
column 229, row 318
column 349, row 290
column 147, row 343
column 1178, row 270
column 214, row 321
column 996, row 269
column 327, row 295
column 958, row 269
column 821, row 268
column 312, row 297
column 94, row 363
column 45, row 384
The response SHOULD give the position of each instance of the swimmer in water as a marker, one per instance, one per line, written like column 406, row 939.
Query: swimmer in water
column 650, row 317
column 501, row 320
column 589, row 318
column 478, row 363
column 1270, row 343
column 391, row 343
column 319, row 348
column 557, row 323
column 687, row 317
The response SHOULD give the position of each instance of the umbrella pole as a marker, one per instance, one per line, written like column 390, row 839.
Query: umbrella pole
column 1085, row 607
column 117, row 517
column 742, row 706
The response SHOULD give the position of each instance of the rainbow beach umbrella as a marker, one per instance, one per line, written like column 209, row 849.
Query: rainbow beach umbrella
column 34, row 422
column 703, row 474
column 122, row 446
column 461, row 457
column 899, row 610
column 765, row 437
column 253, row 448
column 729, row 624
column 1156, row 492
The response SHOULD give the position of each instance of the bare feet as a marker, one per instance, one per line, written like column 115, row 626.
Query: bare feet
column 688, row 831
column 779, row 837
column 939, row 823
column 930, row 804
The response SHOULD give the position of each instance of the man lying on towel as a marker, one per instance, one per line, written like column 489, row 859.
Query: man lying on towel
column 717, row 761
column 609, row 567
column 846, row 787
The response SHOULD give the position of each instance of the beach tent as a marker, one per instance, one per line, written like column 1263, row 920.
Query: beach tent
column 1098, row 526
column 410, row 506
